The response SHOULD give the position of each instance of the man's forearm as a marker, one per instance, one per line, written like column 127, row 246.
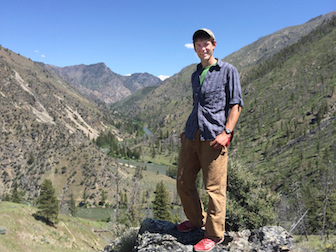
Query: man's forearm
column 233, row 117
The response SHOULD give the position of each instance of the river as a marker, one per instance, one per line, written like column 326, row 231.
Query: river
column 149, row 166
column 147, row 131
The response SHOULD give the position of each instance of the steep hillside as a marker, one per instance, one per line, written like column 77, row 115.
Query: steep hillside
column 267, row 46
column 46, row 132
column 285, row 133
column 125, row 106
column 98, row 82
column 289, row 117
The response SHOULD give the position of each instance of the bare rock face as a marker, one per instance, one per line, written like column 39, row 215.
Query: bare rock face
column 157, row 235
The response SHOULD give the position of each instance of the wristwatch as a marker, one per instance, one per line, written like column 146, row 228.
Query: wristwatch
column 227, row 131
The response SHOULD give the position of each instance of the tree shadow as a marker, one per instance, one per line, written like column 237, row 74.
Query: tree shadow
column 44, row 220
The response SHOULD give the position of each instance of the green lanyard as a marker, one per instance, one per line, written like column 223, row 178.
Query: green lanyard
column 204, row 72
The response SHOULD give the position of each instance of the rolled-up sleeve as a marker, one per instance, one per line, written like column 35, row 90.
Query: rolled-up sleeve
column 235, row 94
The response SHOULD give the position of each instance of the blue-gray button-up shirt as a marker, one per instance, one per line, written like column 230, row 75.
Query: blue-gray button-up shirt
column 212, row 101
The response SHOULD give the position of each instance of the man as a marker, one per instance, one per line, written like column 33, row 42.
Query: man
column 209, row 129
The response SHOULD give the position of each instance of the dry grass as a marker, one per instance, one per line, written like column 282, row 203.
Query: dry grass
column 314, row 244
column 24, row 233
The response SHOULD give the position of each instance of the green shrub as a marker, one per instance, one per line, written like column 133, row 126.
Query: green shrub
column 249, row 206
column 128, row 240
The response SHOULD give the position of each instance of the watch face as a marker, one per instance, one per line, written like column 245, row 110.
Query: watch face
column 228, row 131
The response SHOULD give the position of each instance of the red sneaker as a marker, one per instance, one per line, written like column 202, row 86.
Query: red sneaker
column 185, row 227
column 206, row 244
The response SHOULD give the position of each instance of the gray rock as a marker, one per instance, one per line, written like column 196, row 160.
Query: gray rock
column 162, row 236
column 3, row 230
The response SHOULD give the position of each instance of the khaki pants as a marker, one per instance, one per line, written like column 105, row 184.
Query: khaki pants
column 196, row 155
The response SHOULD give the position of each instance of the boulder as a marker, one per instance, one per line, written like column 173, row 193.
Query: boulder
column 162, row 236
column 3, row 230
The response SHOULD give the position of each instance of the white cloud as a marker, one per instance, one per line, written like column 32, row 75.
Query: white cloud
column 163, row 77
column 127, row 74
column 189, row 45
column 36, row 51
column 42, row 56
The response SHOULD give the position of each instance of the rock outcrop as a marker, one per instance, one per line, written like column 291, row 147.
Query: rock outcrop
column 157, row 235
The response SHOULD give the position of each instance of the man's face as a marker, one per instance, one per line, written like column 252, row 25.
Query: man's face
column 204, row 48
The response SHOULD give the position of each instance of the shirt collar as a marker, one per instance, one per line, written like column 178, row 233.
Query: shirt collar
column 219, row 64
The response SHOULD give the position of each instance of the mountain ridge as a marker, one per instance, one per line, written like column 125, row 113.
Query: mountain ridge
column 99, row 82
column 268, row 45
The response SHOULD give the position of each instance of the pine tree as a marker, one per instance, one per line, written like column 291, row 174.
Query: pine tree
column 249, row 205
column 153, row 153
column 72, row 206
column 85, row 196
column 133, row 211
column 16, row 198
column 161, row 205
column 31, row 158
column 103, row 198
column 7, row 197
column 47, row 203
column 125, row 200
column 117, row 180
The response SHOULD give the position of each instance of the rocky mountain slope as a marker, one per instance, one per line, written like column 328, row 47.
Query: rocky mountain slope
column 46, row 132
column 98, row 82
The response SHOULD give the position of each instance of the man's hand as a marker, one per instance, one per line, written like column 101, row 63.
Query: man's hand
column 220, row 141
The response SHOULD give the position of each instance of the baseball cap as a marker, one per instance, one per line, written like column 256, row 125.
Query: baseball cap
column 204, row 30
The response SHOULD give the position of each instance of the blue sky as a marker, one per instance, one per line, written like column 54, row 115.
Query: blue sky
column 142, row 36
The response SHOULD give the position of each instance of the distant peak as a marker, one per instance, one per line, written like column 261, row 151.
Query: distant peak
column 98, row 64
